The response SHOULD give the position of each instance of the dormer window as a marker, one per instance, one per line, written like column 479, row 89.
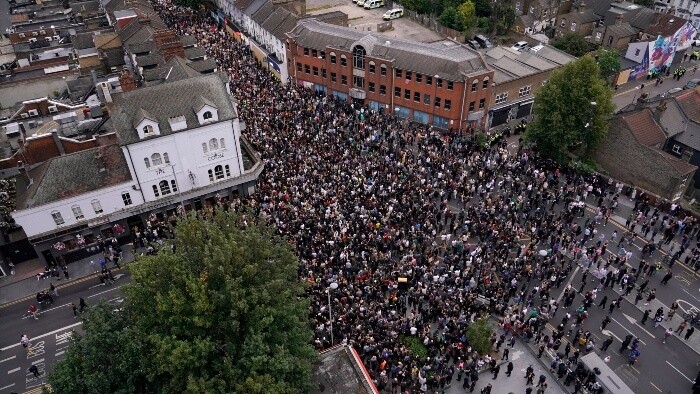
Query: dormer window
column 207, row 115
column 206, row 111
column 145, row 124
column 147, row 129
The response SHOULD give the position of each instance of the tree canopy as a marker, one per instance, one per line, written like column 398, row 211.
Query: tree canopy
column 572, row 110
column 572, row 43
column 609, row 63
column 466, row 13
column 7, row 202
column 220, row 312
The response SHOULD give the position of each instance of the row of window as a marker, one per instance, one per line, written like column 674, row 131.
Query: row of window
column 78, row 211
column 213, row 145
column 426, row 98
column 522, row 92
column 219, row 172
column 156, row 160
column 163, row 188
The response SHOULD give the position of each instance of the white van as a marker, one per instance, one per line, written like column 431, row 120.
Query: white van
column 374, row 4
column 393, row 14
column 361, row 3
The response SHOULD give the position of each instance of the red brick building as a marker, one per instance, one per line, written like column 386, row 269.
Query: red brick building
column 445, row 84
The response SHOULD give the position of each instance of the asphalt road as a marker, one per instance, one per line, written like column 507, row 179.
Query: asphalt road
column 626, row 95
column 49, row 334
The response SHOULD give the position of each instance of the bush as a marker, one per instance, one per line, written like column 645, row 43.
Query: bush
column 415, row 346
column 479, row 336
column 584, row 165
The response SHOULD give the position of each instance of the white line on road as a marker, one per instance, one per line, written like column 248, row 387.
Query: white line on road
column 43, row 335
column 13, row 370
column 8, row 359
column 682, row 374
column 6, row 387
column 45, row 310
column 687, row 292
column 59, row 353
column 625, row 328
column 612, row 334
column 106, row 291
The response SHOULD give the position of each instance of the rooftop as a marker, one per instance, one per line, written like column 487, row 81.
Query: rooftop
column 448, row 59
column 169, row 100
column 73, row 174
column 644, row 127
column 510, row 64
column 340, row 371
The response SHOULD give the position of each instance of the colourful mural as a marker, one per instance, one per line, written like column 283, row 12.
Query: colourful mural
column 661, row 52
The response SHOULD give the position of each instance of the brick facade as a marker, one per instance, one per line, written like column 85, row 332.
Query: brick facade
column 426, row 98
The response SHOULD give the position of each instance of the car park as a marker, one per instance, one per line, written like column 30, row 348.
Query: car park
column 393, row 14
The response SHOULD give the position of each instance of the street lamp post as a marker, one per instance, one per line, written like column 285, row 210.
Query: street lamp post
column 332, row 286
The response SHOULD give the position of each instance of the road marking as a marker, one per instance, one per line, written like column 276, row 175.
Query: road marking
column 516, row 355
column 106, row 291
column 59, row 353
column 612, row 334
column 633, row 321
column 688, row 293
column 13, row 370
column 8, row 359
column 625, row 328
column 682, row 374
column 43, row 335
column 7, row 387
column 655, row 386
column 45, row 310
column 578, row 267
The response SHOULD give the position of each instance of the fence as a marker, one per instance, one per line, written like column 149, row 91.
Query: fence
column 433, row 24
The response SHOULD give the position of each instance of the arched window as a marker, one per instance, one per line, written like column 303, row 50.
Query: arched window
column 77, row 212
column 211, row 175
column 382, row 69
column 219, row 172
column 333, row 60
column 57, row 218
column 475, row 85
column 156, row 160
column 358, row 57
column 155, row 191
column 222, row 145
column 166, row 159
column 343, row 60
column 173, row 185
column 147, row 162
column 164, row 188
column 485, row 85
column 228, row 170
column 204, row 147
column 207, row 115
column 96, row 206
column 213, row 144
column 147, row 129
column 372, row 67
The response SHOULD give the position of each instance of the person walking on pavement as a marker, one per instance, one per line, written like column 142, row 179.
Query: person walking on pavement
column 604, row 323
column 690, row 332
column 509, row 368
column 612, row 306
column 626, row 343
column 33, row 369
column 638, row 297
column 646, row 316
column 487, row 389
column 75, row 309
column 506, row 353
column 529, row 375
column 542, row 382
column 496, row 370
column 83, row 305
column 53, row 290
column 681, row 327
column 667, row 277
column 606, row 344
column 26, row 343
column 602, row 302
column 33, row 311
column 658, row 320
column 667, row 334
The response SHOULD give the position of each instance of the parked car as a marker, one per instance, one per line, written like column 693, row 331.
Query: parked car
column 483, row 41
column 473, row 44
column 692, row 84
column 369, row 4
column 393, row 14
column 361, row 3
column 520, row 45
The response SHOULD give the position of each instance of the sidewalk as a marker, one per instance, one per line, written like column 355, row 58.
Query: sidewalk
column 635, row 84
column 15, row 288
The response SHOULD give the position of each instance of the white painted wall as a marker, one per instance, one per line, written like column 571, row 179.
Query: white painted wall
column 39, row 220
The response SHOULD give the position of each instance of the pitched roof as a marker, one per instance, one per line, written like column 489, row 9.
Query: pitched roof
column 586, row 16
column 188, row 41
column 447, row 59
column 624, row 30
column 263, row 12
column 74, row 174
column 174, row 69
column 643, row 18
column 667, row 26
column 195, row 53
column 203, row 66
column 169, row 100
column 690, row 104
column 644, row 127
column 510, row 64
column 141, row 47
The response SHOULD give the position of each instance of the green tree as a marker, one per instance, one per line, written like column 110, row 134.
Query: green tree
column 573, row 43
column 645, row 3
column 466, row 14
column 609, row 63
column 7, row 202
column 503, row 17
column 572, row 110
column 479, row 336
column 220, row 312
column 449, row 18
column 482, row 8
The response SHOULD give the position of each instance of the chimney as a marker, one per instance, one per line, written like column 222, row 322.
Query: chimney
column 104, row 86
column 618, row 20
column 23, row 170
column 93, row 75
column 582, row 6
column 655, row 18
column 59, row 144
column 659, row 110
column 672, row 10
column 126, row 81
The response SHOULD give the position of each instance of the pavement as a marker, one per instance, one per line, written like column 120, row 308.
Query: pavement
column 24, row 285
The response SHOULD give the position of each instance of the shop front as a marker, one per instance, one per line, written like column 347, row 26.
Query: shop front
column 501, row 115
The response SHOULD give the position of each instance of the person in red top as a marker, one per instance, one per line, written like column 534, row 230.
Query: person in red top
column 32, row 310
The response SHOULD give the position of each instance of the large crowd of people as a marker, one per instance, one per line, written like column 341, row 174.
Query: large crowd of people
column 368, row 198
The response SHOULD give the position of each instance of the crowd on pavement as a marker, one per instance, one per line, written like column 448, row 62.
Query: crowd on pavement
column 368, row 198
